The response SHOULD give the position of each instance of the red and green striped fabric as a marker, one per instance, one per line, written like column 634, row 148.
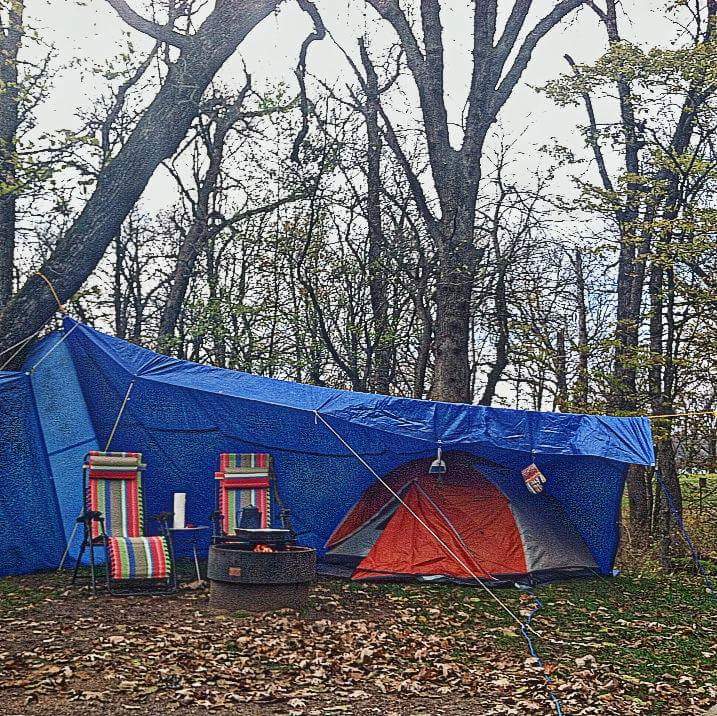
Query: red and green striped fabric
column 138, row 557
column 244, row 481
column 239, row 463
column 115, row 490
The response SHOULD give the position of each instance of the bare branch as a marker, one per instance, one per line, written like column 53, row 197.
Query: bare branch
column 506, row 86
column 161, row 33
column 593, row 136
column 319, row 33
column 118, row 104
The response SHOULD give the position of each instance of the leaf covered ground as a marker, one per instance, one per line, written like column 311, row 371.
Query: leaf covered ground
column 631, row 645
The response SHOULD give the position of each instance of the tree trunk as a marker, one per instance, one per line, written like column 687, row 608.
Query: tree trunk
column 670, row 496
column 10, row 40
column 380, row 378
column 451, row 372
column 638, row 504
column 499, row 61
column 581, row 387
column 120, row 304
column 121, row 182
column 501, row 311
column 561, row 371
column 179, row 283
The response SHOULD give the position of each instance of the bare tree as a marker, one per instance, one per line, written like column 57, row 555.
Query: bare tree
column 498, row 63
column 155, row 137
column 11, row 32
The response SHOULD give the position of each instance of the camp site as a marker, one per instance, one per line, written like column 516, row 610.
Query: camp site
column 358, row 357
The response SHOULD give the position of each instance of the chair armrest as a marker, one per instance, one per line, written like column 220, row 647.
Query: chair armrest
column 88, row 516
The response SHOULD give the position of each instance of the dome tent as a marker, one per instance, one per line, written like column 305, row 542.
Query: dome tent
column 181, row 416
column 496, row 537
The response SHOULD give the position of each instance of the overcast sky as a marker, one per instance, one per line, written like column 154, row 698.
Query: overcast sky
column 90, row 29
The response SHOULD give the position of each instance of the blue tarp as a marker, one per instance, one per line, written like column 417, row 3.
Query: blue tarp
column 181, row 415
column 66, row 426
column 31, row 535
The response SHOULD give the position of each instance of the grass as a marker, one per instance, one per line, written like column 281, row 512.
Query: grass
column 641, row 643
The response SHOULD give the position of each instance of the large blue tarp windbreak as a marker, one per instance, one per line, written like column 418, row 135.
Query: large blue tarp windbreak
column 31, row 535
column 181, row 416
column 66, row 427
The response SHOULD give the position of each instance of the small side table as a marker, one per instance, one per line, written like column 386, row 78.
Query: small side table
column 193, row 532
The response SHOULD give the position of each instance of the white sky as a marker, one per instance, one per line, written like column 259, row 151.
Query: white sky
column 90, row 29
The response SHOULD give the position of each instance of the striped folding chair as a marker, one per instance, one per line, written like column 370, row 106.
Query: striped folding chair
column 244, row 481
column 113, row 518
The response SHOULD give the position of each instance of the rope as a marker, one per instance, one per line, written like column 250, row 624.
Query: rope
column 20, row 345
column 709, row 584
column 52, row 290
column 713, row 413
column 119, row 415
column 525, row 626
column 455, row 531
column 537, row 606
column 62, row 340
column 420, row 520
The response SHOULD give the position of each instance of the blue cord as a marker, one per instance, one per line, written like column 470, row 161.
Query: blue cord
column 549, row 682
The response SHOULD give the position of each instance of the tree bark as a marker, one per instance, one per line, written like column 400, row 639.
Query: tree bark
column 121, row 182
column 498, row 64
column 458, row 259
column 380, row 379
column 581, row 388
column 10, row 41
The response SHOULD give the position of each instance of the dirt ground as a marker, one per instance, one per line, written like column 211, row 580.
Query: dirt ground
column 634, row 645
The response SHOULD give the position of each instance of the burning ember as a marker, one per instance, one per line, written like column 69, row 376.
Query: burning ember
column 263, row 548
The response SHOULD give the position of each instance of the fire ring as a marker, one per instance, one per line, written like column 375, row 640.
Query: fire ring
column 265, row 579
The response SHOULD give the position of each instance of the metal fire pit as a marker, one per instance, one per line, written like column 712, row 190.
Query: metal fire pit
column 259, row 581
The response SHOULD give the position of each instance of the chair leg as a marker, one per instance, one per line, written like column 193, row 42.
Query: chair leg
column 92, row 567
column 78, row 561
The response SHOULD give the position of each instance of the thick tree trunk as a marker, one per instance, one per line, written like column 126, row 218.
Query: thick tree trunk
column 120, row 184
column 499, row 61
column 451, row 372
column 10, row 41
column 670, row 496
column 639, row 504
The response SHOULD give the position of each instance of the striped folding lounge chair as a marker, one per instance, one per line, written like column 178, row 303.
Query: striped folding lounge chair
column 244, row 480
column 113, row 518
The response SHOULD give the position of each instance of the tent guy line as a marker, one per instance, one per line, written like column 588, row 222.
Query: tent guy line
column 66, row 335
column 524, row 625
column 420, row 520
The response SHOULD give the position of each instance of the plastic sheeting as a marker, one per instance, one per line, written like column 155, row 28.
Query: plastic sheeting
column 66, row 427
column 181, row 416
column 31, row 535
